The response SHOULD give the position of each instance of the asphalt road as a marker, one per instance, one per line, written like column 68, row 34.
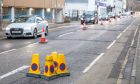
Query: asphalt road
column 81, row 47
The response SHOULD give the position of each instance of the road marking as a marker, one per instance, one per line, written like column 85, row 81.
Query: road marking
column 2, row 38
column 7, row 51
column 135, row 59
column 65, row 34
column 128, row 26
column 79, row 30
column 62, row 27
column 119, row 80
column 93, row 62
column 14, row 71
column 134, row 37
column 30, row 45
column 111, row 44
column 119, row 35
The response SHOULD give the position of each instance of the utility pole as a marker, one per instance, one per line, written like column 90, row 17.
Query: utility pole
column 97, row 5
column 1, row 16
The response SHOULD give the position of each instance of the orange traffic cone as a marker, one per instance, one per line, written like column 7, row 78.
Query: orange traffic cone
column 110, row 20
column 49, row 69
column 84, row 26
column 62, row 67
column 43, row 38
column 101, row 22
column 34, row 70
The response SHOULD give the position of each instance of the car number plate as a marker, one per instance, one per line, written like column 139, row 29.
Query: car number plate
column 16, row 31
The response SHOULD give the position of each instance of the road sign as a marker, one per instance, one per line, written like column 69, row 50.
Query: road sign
column 100, row 3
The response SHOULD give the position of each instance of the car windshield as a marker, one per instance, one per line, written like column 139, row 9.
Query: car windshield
column 104, row 15
column 111, row 13
column 25, row 20
column 88, row 16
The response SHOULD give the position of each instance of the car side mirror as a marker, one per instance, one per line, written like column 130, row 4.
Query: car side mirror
column 38, row 21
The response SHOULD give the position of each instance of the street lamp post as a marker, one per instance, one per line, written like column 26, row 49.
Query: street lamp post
column 97, row 5
column 1, row 16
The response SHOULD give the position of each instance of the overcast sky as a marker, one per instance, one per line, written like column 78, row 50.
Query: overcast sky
column 77, row 1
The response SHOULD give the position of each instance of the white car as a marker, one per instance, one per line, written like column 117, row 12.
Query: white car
column 27, row 26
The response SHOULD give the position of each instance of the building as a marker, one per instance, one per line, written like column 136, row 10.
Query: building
column 133, row 5
column 101, row 6
column 75, row 8
column 49, row 9
column 116, row 6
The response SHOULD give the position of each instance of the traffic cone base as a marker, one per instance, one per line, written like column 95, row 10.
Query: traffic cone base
column 64, row 74
column 33, row 75
column 49, row 77
column 43, row 40
column 34, row 70
column 84, row 28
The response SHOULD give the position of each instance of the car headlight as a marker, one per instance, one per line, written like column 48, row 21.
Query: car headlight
column 7, row 28
column 92, row 18
column 82, row 19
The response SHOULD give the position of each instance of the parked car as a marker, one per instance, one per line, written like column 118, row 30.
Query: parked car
column 27, row 26
column 112, row 15
column 104, row 17
column 89, row 18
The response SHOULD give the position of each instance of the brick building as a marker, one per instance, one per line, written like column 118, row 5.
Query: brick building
column 49, row 9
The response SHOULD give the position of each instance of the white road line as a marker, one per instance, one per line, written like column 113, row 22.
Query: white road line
column 119, row 35
column 65, row 34
column 79, row 30
column 124, row 30
column 62, row 27
column 30, row 45
column 128, row 26
column 134, row 37
column 7, row 51
column 14, row 71
column 111, row 44
column 93, row 62
column 2, row 38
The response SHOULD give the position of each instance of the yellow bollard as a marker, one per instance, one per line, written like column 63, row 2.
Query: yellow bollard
column 62, row 67
column 55, row 59
column 49, row 71
column 34, row 70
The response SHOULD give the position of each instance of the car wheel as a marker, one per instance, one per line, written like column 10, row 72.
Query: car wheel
column 35, row 33
column 46, row 31
column 9, row 37
column 82, row 22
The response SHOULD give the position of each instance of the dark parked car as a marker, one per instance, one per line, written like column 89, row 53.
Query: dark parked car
column 89, row 18
column 104, row 17
column 112, row 15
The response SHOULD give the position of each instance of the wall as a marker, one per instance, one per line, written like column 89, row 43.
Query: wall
column 36, row 3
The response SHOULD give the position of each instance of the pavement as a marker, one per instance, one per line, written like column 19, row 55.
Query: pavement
column 97, row 55
column 135, row 76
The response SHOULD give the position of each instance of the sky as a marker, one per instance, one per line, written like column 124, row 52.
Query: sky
column 77, row 1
